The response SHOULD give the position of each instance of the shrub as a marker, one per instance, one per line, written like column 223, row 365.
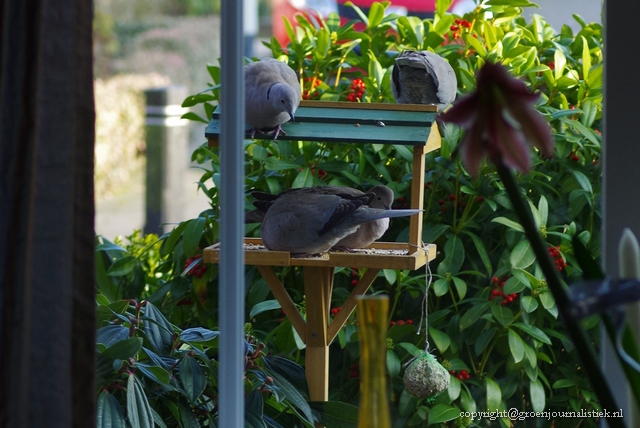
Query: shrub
column 492, row 321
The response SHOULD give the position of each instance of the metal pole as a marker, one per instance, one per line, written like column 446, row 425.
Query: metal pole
column 231, row 282
column 167, row 139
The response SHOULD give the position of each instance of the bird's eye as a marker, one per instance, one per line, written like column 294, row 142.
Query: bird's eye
column 282, row 101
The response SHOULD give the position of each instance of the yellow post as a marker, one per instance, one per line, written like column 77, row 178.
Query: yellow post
column 372, row 320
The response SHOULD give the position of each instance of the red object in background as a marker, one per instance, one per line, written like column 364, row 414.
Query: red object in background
column 420, row 8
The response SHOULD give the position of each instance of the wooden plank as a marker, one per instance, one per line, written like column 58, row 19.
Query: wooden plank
column 318, row 284
column 281, row 295
column 368, row 106
column 417, row 198
column 378, row 255
column 350, row 304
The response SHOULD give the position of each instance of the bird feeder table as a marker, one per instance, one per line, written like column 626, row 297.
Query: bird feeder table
column 349, row 123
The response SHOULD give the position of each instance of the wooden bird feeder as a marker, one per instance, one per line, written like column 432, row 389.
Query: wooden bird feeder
column 343, row 122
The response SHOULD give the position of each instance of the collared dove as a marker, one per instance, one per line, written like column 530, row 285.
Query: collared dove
column 380, row 197
column 310, row 223
column 423, row 77
column 272, row 95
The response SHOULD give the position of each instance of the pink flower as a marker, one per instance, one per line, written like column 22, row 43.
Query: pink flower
column 499, row 121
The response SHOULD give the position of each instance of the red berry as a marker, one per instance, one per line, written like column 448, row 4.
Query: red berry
column 392, row 323
column 452, row 197
column 454, row 28
column 400, row 322
column 495, row 280
column 463, row 372
column 453, row 372
column 441, row 202
column 479, row 199
column 354, row 282
column 410, row 322
column 466, row 376
column 495, row 292
column 460, row 376
column 458, row 21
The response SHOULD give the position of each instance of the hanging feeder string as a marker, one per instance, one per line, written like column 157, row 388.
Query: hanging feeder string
column 425, row 310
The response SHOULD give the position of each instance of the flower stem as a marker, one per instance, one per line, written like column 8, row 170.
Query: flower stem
column 576, row 333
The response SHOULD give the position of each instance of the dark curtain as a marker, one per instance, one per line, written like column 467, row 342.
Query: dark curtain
column 47, row 306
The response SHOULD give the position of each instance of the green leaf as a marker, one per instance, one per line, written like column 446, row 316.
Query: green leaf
column 291, row 394
column 110, row 334
column 534, row 332
column 393, row 363
column 440, row 287
column 170, row 242
column 192, row 378
column 192, row 116
column 536, row 391
column 473, row 314
column 516, row 346
column 376, row 13
column 198, row 335
column 454, row 388
column 267, row 305
column 494, row 394
column 123, row 266
column 482, row 252
column 291, row 371
column 155, row 373
column 121, row 350
column 441, row 339
column 583, row 181
column 454, row 256
column 509, row 223
column 335, row 414
column 543, row 209
column 461, row 287
column 158, row 330
column 559, row 61
column 522, row 256
column 502, row 314
column 390, row 275
column 528, row 304
column 586, row 59
column 303, row 179
column 192, row 235
column 109, row 412
column 484, row 339
column 138, row 409
column 563, row 383
column 186, row 417
column 475, row 44
column 443, row 413
column 513, row 285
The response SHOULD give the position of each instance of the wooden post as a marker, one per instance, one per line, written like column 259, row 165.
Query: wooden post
column 318, row 284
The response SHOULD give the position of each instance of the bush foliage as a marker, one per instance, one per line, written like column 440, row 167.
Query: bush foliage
column 492, row 321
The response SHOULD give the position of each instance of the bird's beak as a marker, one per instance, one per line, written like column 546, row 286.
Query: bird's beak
column 293, row 119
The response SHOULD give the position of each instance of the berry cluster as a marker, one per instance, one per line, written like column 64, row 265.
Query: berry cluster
column 461, row 375
column 456, row 32
column 197, row 270
column 559, row 261
column 498, row 293
column 311, row 93
column 334, row 311
column 355, row 276
column 573, row 156
column 355, row 370
column 357, row 89
column 401, row 322
column 452, row 199
column 401, row 202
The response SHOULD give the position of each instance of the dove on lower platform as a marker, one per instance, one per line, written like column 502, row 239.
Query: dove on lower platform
column 380, row 197
column 311, row 223
column 423, row 77
column 272, row 95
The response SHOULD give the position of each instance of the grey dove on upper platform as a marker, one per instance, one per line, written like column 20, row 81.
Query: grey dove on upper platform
column 310, row 223
column 380, row 197
column 272, row 95
column 423, row 77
